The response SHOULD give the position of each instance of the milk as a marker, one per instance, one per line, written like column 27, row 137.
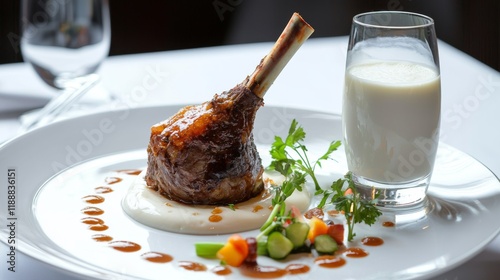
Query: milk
column 391, row 115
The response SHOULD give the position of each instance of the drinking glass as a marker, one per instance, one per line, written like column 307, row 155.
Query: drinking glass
column 391, row 107
column 65, row 41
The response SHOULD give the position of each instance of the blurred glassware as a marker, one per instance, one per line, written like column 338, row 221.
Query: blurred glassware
column 65, row 41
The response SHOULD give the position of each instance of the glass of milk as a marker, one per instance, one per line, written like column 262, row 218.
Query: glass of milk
column 391, row 107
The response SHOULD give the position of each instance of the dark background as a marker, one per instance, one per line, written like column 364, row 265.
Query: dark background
column 156, row 25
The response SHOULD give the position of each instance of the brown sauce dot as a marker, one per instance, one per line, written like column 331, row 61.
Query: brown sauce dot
column 221, row 270
column 93, row 199
column 103, row 189
column 297, row 268
column 388, row 224
column 215, row 218
column 112, row 180
column 355, row 253
column 98, row 227
column 125, row 246
column 257, row 271
column 157, row 257
column 92, row 211
column 92, row 221
column 314, row 212
column 101, row 237
column 372, row 241
column 193, row 266
column 257, row 208
column 333, row 212
column 130, row 171
column 216, row 210
column 328, row 261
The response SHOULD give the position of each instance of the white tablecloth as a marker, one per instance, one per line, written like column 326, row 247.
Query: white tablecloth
column 312, row 80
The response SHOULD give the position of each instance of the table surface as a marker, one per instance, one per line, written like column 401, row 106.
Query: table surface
column 312, row 80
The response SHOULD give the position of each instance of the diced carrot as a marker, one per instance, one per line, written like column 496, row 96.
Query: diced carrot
column 239, row 243
column 230, row 255
column 316, row 227
column 336, row 231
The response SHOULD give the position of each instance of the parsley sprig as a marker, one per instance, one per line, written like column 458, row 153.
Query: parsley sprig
column 344, row 196
column 290, row 159
column 283, row 153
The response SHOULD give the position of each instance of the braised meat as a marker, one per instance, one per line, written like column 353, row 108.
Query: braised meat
column 205, row 154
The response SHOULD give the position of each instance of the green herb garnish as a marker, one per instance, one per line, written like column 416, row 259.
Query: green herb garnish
column 282, row 153
column 346, row 199
column 342, row 192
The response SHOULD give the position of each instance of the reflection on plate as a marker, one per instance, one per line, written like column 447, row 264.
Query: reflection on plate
column 67, row 180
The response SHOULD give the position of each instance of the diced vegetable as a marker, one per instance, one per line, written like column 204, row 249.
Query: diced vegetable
column 336, row 231
column 278, row 246
column 239, row 243
column 262, row 247
column 316, row 227
column 297, row 233
column 325, row 244
column 234, row 252
column 296, row 214
column 251, row 258
column 207, row 249
column 230, row 255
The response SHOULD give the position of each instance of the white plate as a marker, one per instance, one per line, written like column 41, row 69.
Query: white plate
column 57, row 165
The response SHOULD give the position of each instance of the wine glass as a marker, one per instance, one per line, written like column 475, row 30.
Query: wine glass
column 391, row 107
column 65, row 42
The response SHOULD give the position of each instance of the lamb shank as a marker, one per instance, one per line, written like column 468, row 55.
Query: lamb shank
column 205, row 154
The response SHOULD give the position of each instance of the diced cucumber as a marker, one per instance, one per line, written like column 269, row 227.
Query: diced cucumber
column 262, row 247
column 297, row 233
column 325, row 244
column 278, row 246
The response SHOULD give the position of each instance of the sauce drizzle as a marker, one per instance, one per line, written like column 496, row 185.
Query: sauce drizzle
column 388, row 224
column 112, row 180
column 328, row 261
column 221, row 270
column 130, row 171
column 297, row 268
column 355, row 253
column 157, row 257
column 257, row 208
column 92, row 211
column 125, row 246
column 102, row 237
column 98, row 227
column 93, row 199
column 215, row 218
column 193, row 266
column 372, row 241
column 92, row 221
column 257, row 271
column 103, row 189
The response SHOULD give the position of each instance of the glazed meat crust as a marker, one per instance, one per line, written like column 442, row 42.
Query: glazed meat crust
column 205, row 154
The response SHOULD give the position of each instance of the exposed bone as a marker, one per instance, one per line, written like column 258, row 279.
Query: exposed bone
column 295, row 33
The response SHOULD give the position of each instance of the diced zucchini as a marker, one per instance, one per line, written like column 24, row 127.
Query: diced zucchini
column 278, row 246
column 207, row 249
column 297, row 233
column 325, row 244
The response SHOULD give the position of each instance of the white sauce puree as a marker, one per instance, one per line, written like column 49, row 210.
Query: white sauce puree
column 152, row 209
